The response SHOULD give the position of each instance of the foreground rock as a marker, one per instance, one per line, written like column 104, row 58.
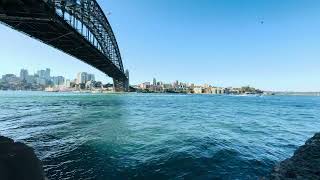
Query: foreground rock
column 18, row 161
column 305, row 163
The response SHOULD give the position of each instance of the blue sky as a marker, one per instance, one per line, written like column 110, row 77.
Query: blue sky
column 220, row 42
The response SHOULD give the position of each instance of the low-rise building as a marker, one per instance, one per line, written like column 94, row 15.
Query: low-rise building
column 198, row 90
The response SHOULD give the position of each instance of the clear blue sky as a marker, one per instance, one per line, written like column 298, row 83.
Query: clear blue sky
column 220, row 42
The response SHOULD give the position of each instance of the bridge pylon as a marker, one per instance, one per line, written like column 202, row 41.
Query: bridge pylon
column 121, row 85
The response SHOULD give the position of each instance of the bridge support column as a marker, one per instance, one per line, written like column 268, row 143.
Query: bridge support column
column 120, row 85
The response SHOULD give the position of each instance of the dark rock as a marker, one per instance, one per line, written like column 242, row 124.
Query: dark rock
column 18, row 161
column 304, row 164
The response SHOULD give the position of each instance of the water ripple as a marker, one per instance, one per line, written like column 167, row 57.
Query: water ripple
column 156, row 136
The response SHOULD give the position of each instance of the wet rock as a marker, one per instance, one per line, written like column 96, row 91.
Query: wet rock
column 18, row 161
column 304, row 164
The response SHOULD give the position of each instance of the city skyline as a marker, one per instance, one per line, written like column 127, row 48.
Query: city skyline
column 86, row 82
column 42, row 80
column 151, row 80
column 46, row 71
column 232, row 46
column 50, row 80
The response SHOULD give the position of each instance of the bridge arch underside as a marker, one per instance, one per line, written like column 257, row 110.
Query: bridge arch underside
column 93, row 44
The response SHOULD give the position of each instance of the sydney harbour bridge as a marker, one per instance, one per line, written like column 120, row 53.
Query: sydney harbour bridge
column 77, row 27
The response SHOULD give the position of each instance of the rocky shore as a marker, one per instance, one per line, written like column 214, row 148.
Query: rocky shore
column 18, row 161
column 304, row 164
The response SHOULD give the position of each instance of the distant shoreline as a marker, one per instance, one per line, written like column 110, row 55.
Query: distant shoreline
column 296, row 93
column 268, row 93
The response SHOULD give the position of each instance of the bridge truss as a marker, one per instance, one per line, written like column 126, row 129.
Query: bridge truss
column 76, row 27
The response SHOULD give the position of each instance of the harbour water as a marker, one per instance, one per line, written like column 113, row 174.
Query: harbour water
column 158, row 136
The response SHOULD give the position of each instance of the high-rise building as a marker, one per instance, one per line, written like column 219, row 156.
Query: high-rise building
column 47, row 74
column 58, row 81
column 154, row 82
column 44, row 75
column 81, row 78
column 90, row 77
column 41, row 81
column 41, row 74
column 24, row 74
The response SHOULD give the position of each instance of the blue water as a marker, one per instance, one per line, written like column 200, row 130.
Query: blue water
column 158, row 136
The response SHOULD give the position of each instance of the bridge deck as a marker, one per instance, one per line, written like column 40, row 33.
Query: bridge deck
column 37, row 20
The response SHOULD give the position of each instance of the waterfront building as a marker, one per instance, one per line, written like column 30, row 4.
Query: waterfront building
column 81, row 78
column 43, row 77
column 41, row 81
column 90, row 77
column 207, row 90
column 221, row 91
column 226, row 90
column 10, row 78
column 175, row 84
column 44, row 74
column 41, row 73
column 25, row 77
column 67, row 83
column 218, row 90
column 84, row 77
column 197, row 90
column 10, row 81
column 145, row 85
column 206, row 85
column 58, row 80
column 24, row 74
column 30, row 79
column 232, row 90
column 167, row 86
column 214, row 90
column 181, row 87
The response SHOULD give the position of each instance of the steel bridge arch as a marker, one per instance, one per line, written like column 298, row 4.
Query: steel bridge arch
column 87, row 17
column 77, row 27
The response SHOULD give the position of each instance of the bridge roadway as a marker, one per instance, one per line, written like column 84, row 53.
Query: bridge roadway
column 76, row 27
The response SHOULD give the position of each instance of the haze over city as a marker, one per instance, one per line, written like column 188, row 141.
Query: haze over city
column 268, row 45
